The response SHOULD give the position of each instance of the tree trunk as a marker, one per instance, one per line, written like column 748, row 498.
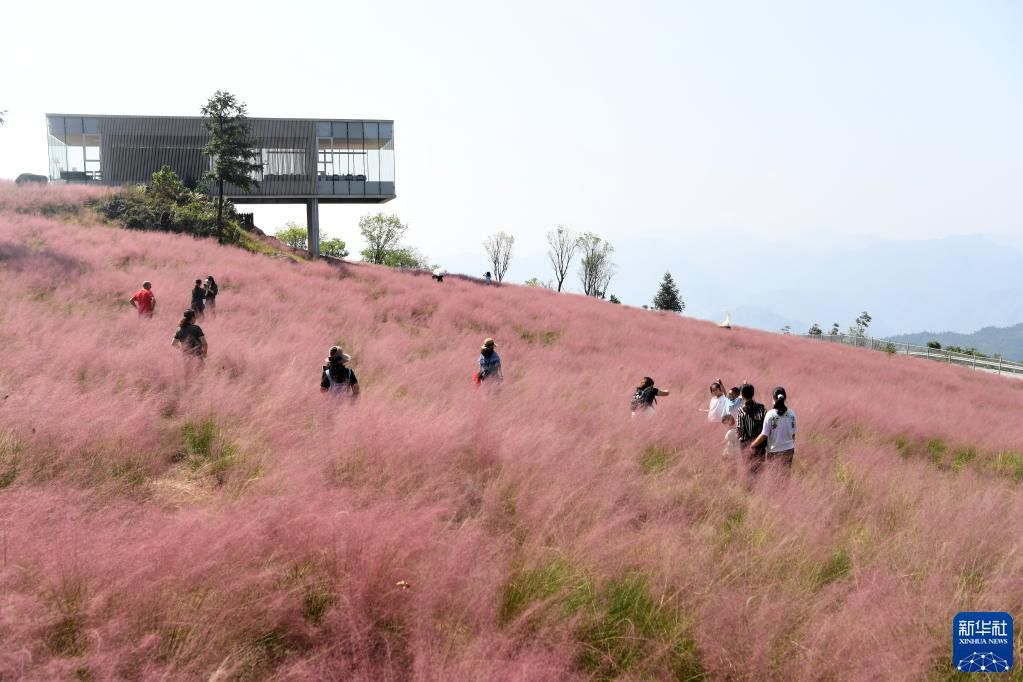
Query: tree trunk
column 220, row 211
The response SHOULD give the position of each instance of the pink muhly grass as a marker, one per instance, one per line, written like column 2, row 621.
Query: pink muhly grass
column 237, row 522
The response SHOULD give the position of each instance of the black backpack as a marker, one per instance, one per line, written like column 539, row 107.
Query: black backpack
column 334, row 374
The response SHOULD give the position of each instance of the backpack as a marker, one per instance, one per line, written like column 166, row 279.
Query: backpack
column 335, row 375
column 642, row 398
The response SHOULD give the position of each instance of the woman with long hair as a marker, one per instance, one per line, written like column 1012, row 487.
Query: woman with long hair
column 211, row 295
column 779, row 431
column 190, row 339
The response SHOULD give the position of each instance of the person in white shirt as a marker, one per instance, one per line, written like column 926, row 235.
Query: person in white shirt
column 779, row 431
column 732, row 447
column 720, row 405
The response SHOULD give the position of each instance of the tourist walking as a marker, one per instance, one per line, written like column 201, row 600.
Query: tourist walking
column 749, row 423
column 211, row 295
column 337, row 377
column 645, row 397
column 144, row 301
column 489, row 364
column 198, row 299
column 191, row 340
column 779, row 432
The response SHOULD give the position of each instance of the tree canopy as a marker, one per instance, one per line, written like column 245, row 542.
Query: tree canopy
column 667, row 297
column 230, row 147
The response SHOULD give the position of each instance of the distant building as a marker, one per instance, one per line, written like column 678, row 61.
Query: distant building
column 309, row 161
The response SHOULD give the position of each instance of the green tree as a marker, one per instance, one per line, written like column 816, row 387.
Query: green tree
column 934, row 344
column 834, row 329
column 406, row 257
column 165, row 187
column 859, row 327
column 3, row 117
column 536, row 282
column 335, row 248
column 230, row 147
column 614, row 299
column 667, row 297
column 383, row 234
column 294, row 235
column 815, row 330
column 787, row 329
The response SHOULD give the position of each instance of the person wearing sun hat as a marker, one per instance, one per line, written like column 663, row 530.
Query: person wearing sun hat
column 490, row 364
column 336, row 377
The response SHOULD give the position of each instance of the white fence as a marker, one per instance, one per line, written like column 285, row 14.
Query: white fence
column 996, row 365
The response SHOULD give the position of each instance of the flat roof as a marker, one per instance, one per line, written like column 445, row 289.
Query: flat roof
column 265, row 118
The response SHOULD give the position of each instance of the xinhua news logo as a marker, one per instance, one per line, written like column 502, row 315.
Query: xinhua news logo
column 982, row 641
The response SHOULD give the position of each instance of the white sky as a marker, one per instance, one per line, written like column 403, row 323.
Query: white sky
column 634, row 120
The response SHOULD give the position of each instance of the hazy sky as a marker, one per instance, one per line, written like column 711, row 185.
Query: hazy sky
column 678, row 120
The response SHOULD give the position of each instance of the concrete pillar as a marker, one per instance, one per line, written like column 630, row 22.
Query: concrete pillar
column 312, row 222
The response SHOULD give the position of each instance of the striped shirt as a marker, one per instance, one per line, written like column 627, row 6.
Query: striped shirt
column 749, row 422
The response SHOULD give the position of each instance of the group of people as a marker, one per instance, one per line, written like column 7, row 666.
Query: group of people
column 204, row 297
column 189, row 336
column 754, row 433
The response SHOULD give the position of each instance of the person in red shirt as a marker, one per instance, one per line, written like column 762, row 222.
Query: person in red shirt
column 144, row 300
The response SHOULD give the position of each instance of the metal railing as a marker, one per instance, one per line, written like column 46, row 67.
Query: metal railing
column 996, row 365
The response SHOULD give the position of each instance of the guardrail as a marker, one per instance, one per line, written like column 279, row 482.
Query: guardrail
column 987, row 364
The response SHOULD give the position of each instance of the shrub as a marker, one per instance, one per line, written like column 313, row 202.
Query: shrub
column 168, row 206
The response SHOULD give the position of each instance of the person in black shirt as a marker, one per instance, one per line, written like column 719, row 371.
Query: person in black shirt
column 336, row 377
column 211, row 295
column 190, row 339
column 749, row 423
column 645, row 397
column 198, row 298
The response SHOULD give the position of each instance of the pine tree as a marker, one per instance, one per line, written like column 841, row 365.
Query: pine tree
column 231, row 148
column 667, row 297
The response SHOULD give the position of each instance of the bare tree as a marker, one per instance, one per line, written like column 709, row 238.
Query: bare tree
column 563, row 247
column 499, row 251
column 596, row 268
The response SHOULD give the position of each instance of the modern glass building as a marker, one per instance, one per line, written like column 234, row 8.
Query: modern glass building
column 308, row 161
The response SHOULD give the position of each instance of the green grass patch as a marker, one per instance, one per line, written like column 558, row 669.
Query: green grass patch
column 527, row 587
column 205, row 450
column 732, row 527
column 656, row 459
column 545, row 338
column 962, row 457
column 1009, row 463
column 10, row 449
column 837, row 566
column 936, row 452
column 626, row 630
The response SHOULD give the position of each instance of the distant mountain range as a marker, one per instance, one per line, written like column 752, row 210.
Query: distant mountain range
column 957, row 283
column 1004, row 341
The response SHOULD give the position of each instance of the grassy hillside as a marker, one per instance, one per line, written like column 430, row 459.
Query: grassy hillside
column 239, row 525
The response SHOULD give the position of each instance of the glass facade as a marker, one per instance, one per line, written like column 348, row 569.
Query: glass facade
column 74, row 148
column 341, row 160
column 355, row 158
